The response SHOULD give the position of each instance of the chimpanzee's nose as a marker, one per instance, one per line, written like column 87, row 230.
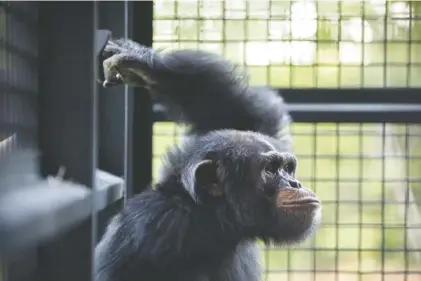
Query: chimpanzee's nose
column 294, row 183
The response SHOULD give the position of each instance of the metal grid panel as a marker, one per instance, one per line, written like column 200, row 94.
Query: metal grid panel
column 330, row 43
column 18, row 72
column 18, row 88
column 366, row 174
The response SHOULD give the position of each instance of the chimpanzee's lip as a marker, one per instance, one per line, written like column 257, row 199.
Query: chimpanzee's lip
column 303, row 202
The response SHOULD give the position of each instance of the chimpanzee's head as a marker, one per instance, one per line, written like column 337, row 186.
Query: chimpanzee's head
column 243, row 174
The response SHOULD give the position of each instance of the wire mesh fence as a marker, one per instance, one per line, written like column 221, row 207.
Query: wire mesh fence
column 367, row 175
column 18, row 74
column 330, row 43
column 19, row 87
column 18, row 95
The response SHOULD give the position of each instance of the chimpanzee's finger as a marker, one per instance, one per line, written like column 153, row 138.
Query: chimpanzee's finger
column 111, row 75
column 110, row 51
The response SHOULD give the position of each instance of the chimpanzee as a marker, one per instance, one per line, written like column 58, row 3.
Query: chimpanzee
column 231, row 182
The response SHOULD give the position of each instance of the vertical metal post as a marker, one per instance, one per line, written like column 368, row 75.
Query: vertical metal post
column 67, row 124
column 140, row 144
column 127, row 120
column 115, row 113
column 65, row 86
column 125, row 143
column 111, row 101
column 94, row 143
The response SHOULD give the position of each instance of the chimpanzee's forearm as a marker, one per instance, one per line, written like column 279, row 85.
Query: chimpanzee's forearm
column 202, row 89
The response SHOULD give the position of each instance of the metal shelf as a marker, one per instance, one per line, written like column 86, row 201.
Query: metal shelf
column 31, row 215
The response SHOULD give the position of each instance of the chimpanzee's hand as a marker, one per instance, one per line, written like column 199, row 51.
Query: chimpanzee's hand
column 125, row 62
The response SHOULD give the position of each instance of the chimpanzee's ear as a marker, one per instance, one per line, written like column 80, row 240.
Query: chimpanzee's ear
column 206, row 178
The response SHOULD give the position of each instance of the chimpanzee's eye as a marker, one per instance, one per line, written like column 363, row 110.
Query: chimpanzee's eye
column 289, row 168
column 273, row 167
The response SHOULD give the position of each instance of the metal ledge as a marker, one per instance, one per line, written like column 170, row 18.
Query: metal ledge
column 31, row 215
column 109, row 189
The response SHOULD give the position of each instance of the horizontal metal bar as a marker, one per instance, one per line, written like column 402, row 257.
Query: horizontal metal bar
column 329, row 132
column 286, row 17
column 8, row 89
column 397, row 117
column 352, row 95
column 369, row 105
column 342, row 249
column 382, row 272
column 359, row 113
column 279, row 40
column 32, row 215
column 335, row 107
column 33, row 60
column 370, row 202
column 339, row 113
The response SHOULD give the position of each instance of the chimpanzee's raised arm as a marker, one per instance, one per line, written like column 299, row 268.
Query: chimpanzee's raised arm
column 199, row 88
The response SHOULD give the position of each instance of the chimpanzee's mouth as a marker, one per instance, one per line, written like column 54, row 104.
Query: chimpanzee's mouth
column 307, row 202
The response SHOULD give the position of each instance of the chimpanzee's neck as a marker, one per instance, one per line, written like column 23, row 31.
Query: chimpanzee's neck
column 208, row 230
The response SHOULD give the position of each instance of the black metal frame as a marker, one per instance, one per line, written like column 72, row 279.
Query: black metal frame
column 67, row 137
column 112, row 136
column 66, row 121
column 384, row 105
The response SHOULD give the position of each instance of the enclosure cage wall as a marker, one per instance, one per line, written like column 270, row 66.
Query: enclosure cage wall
column 18, row 99
column 366, row 171
column 19, row 75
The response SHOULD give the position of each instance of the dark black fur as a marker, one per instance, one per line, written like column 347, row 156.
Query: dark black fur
column 177, row 230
